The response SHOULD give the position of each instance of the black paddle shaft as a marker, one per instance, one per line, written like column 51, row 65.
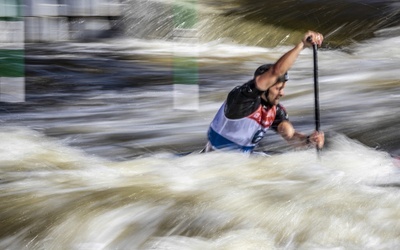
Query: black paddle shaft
column 316, row 88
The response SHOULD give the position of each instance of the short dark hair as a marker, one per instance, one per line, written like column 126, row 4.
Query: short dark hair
column 265, row 67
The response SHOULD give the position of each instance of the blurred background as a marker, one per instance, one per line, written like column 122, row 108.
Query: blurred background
column 100, row 100
column 127, row 74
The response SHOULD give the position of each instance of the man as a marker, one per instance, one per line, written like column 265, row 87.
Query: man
column 252, row 108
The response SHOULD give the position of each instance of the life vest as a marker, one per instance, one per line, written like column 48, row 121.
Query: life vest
column 243, row 133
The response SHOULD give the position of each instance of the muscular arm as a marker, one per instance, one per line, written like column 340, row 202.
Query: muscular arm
column 287, row 131
column 269, row 78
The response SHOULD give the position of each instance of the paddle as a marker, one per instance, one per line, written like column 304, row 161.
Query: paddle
column 316, row 88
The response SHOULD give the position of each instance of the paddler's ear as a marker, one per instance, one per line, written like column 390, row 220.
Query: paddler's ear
column 264, row 95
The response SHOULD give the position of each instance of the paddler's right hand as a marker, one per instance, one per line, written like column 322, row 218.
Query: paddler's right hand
column 317, row 138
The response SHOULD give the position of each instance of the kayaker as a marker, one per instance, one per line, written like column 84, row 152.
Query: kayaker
column 252, row 108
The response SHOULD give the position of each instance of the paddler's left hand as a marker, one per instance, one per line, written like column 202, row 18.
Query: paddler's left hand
column 312, row 37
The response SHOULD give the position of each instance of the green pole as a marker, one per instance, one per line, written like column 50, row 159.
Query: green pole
column 185, row 65
column 12, row 62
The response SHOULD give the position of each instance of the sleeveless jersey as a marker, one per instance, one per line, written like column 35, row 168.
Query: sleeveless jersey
column 243, row 133
column 243, row 119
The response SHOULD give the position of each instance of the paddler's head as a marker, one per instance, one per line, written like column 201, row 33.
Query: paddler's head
column 275, row 92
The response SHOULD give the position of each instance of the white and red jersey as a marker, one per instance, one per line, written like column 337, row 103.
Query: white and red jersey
column 243, row 120
column 243, row 133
